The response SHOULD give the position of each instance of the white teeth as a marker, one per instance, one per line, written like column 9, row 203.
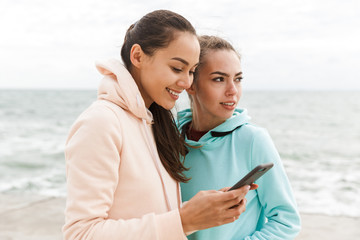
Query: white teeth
column 228, row 104
column 172, row 92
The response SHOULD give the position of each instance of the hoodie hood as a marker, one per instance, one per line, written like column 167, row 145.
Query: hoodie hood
column 239, row 118
column 119, row 87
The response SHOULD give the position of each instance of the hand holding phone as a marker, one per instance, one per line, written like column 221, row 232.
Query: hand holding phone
column 252, row 176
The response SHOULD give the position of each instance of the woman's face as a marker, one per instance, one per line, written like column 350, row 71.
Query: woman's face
column 217, row 90
column 165, row 74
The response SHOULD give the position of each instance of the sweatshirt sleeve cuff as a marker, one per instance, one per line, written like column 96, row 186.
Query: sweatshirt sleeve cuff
column 170, row 226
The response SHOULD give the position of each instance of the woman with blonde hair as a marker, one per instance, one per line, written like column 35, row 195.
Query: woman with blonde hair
column 224, row 146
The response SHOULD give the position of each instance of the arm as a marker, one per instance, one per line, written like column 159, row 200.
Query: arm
column 92, row 162
column 275, row 194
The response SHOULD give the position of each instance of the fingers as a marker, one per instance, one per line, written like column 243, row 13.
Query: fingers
column 253, row 186
column 234, row 212
column 240, row 192
column 238, row 208
column 229, row 199
column 230, row 220
column 233, row 203
column 225, row 189
column 213, row 208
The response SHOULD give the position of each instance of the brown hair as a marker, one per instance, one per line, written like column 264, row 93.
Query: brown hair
column 154, row 31
column 208, row 43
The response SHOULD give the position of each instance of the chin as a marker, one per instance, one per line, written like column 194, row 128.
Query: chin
column 168, row 106
column 229, row 115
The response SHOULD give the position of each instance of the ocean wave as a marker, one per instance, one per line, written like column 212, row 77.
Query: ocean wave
column 317, row 135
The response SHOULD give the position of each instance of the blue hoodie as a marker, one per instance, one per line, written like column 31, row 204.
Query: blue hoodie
column 222, row 157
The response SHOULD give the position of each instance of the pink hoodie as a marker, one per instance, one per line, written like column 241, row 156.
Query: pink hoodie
column 117, row 187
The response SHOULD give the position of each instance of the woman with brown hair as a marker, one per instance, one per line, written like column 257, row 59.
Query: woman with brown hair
column 123, row 154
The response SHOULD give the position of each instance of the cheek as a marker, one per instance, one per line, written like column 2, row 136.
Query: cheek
column 155, row 79
column 239, row 92
column 164, row 77
column 208, row 97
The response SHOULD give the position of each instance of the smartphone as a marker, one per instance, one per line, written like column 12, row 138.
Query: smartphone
column 253, row 175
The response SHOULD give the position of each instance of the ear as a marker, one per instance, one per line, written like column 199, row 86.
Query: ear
column 136, row 55
column 191, row 89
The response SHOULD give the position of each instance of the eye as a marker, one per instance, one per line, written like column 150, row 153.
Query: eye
column 218, row 79
column 191, row 72
column 238, row 79
column 177, row 70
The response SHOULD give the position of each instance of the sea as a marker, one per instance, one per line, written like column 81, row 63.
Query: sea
column 317, row 134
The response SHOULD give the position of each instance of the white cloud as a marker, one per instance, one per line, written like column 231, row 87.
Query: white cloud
column 299, row 44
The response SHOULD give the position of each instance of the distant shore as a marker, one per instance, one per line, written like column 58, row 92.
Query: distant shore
column 41, row 218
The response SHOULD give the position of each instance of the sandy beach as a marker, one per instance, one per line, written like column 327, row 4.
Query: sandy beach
column 41, row 218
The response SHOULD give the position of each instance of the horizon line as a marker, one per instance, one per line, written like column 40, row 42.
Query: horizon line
column 244, row 90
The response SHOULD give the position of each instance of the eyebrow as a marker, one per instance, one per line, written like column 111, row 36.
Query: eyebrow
column 225, row 74
column 181, row 60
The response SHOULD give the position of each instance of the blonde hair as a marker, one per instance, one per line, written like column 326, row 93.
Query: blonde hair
column 208, row 43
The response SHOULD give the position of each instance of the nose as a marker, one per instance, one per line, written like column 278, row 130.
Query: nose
column 185, row 81
column 231, row 89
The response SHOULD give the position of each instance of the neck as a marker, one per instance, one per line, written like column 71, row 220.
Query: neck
column 135, row 74
column 193, row 134
column 203, row 123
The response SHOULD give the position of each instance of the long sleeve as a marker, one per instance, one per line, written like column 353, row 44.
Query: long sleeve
column 92, row 168
column 275, row 194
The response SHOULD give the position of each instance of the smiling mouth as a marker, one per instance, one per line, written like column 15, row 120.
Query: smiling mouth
column 172, row 92
column 228, row 104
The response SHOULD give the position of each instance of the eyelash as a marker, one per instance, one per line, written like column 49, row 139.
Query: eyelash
column 218, row 79
column 221, row 79
column 177, row 70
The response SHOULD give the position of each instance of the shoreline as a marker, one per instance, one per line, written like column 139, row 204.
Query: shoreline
column 41, row 218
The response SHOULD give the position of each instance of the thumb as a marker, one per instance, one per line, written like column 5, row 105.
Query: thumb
column 225, row 189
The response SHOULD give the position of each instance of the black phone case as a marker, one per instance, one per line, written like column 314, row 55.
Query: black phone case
column 253, row 175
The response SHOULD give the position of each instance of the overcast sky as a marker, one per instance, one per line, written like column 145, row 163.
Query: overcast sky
column 297, row 44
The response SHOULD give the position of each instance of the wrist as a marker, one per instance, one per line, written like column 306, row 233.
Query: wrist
column 186, row 225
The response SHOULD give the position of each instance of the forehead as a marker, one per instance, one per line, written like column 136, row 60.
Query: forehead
column 184, row 45
column 223, row 60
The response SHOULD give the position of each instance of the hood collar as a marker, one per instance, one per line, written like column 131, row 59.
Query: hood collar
column 239, row 118
column 119, row 87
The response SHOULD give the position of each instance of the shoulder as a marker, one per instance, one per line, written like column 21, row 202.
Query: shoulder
column 99, row 112
column 183, row 117
column 251, row 131
column 255, row 137
column 100, row 117
column 98, row 127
